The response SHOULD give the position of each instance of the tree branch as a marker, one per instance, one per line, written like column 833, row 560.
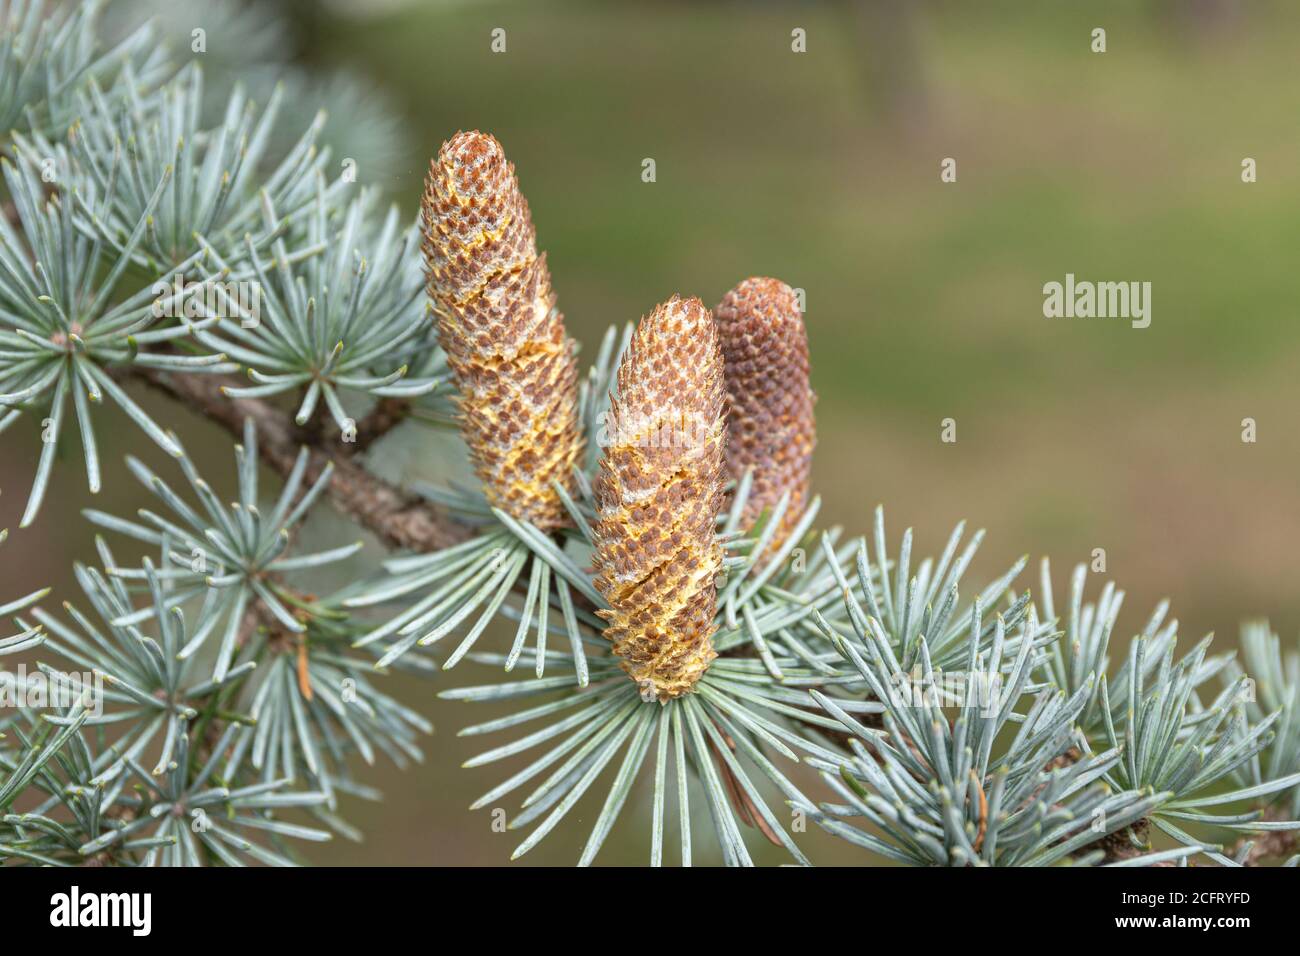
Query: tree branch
column 397, row 517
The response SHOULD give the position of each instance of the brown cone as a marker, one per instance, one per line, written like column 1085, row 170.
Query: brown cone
column 770, row 426
column 658, row 494
column 505, row 343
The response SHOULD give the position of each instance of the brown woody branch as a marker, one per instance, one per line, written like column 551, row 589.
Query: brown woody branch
column 397, row 517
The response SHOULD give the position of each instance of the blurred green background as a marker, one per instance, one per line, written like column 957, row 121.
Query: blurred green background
column 924, row 299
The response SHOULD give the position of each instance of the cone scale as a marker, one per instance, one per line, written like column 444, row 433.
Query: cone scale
column 770, row 424
column 513, row 366
column 658, row 494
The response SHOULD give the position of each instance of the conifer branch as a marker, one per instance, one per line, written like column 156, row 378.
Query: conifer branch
column 612, row 526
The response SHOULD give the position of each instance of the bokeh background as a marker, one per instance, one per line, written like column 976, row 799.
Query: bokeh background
column 924, row 299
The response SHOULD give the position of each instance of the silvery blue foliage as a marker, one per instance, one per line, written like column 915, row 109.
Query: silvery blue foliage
column 352, row 318
column 63, row 328
column 47, row 56
column 943, row 781
column 96, row 805
column 1269, row 683
column 131, row 206
column 232, row 557
column 146, row 162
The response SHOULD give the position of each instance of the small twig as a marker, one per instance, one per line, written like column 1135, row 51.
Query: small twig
column 304, row 675
column 740, row 800
column 984, row 812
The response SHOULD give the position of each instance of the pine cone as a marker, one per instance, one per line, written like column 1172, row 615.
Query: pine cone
column 658, row 494
column 512, row 363
column 770, row 426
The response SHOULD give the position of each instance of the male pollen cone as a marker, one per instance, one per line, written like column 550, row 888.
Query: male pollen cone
column 658, row 494
column 770, row 425
column 513, row 366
